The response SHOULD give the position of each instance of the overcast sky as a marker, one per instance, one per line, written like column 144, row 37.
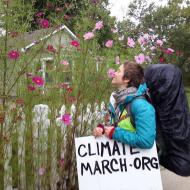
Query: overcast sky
column 119, row 8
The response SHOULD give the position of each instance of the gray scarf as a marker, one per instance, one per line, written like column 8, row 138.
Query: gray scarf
column 120, row 97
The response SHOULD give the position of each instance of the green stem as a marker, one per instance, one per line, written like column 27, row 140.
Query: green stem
column 77, row 109
column 5, row 59
column 71, row 144
column 9, row 78
column 22, row 72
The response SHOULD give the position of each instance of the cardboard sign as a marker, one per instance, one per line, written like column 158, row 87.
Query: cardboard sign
column 104, row 164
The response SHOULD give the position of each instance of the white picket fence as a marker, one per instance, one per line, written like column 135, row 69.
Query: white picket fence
column 40, row 125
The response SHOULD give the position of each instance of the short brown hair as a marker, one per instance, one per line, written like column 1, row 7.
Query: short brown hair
column 134, row 72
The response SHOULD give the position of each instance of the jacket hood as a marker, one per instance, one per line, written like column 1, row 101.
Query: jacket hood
column 166, row 88
column 173, row 118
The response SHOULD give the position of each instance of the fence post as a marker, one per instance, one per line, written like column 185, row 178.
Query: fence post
column 40, row 140
column 54, row 169
column 7, row 152
column 21, row 150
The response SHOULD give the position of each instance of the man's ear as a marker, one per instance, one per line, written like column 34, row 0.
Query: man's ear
column 126, row 81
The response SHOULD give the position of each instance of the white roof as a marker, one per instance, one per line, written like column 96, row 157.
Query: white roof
column 63, row 27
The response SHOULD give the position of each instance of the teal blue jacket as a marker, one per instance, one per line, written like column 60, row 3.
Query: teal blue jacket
column 145, row 123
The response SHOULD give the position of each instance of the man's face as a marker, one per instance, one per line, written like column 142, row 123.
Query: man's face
column 118, row 78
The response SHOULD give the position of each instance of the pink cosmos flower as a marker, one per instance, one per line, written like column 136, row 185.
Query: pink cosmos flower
column 44, row 23
column 117, row 60
column 146, row 36
column 148, row 59
column 161, row 60
column 88, row 36
column 39, row 14
column 13, row 54
column 169, row 51
column 51, row 48
column 140, row 58
column 66, row 119
column 41, row 171
column 69, row 89
column 63, row 85
column 152, row 48
column 14, row 34
column 58, row 9
column 153, row 37
column 38, row 80
column 109, row 44
column 31, row 88
column 130, row 42
column 64, row 62
column 75, row 43
column 141, row 40
column 67, row 17
column 49, row 5
column 114, row 30
column 111, row 73
column 99, row 25
column 159, row 42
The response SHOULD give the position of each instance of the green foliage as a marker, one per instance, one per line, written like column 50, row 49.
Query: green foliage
column 22, row 14
column 77, row 15
column 138, row 9
column 172, row 22
column 81, row 82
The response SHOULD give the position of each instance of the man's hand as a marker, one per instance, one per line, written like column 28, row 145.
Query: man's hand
column 108, row 131
column 97, row 132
